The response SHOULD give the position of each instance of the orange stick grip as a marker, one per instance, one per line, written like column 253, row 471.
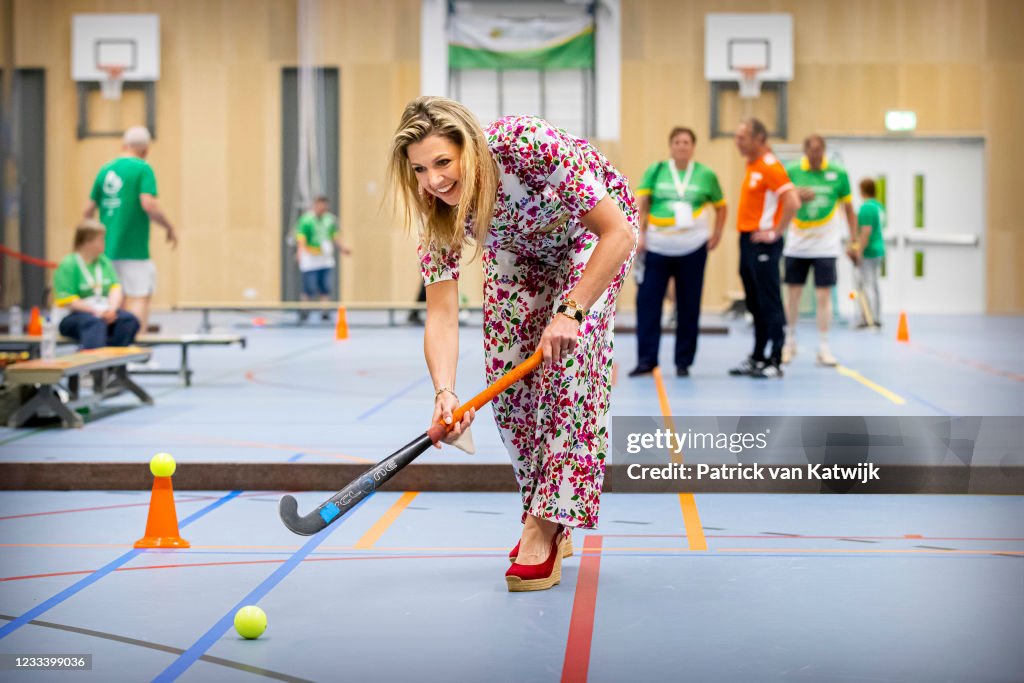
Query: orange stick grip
column 485, row 396
column 437, row 431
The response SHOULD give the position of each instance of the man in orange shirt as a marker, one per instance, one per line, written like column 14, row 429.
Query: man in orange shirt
column 768, row 202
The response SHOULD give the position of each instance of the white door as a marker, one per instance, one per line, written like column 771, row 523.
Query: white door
column 934, row 195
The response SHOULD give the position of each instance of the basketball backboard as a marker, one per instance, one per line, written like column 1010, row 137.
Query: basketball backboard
column 734, row 41
column 131, row 41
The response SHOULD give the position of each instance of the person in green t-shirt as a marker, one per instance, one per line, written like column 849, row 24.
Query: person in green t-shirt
column 675, row 197
column 814, row 241
column 124, row 193
column 868, row 251
column 86, row 283
column 317, row 236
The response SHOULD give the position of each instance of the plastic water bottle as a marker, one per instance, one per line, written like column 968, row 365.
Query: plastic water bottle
column 15, row 321
column 48, row 347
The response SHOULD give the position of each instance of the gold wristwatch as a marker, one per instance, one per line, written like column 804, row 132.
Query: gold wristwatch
column 571, row 309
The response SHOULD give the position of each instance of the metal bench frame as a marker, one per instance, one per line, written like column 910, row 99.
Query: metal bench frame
column 110, row 378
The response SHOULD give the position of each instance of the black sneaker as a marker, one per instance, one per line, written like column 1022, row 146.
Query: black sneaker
column 746, row 367
column 766, row 370
column 682, row 372
column 641, row 370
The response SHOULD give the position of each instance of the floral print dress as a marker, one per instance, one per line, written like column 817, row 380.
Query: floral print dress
column 554, row 423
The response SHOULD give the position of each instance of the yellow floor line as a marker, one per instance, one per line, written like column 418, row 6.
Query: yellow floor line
column 691, row 518
column 853, row 374
column 666, row 409
column 387, row 519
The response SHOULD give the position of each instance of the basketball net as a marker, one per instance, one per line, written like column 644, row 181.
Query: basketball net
column 750, row 87
column 111, row 84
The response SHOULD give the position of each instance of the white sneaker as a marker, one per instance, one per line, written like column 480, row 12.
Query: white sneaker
column 825, row 356
column 788, row 351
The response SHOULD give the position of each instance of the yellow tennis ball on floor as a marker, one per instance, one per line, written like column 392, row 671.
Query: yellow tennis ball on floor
column 162, row 465
column 853, row 294
column 250, row 622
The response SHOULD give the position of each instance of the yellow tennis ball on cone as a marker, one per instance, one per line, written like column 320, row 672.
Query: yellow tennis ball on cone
column 162, row 465
column 250, row 622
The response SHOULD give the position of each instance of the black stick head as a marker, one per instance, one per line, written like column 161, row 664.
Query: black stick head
column 304, row 526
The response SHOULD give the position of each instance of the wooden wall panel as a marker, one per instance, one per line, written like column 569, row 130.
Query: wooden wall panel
column 958, row 63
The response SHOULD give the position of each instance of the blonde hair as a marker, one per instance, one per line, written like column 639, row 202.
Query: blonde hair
column 87, row 231
column 443, row 225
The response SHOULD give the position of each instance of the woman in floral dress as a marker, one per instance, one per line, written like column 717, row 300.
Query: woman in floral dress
column 556, row 226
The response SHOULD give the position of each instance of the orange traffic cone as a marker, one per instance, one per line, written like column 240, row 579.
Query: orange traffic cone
column 341, row 327
column 35, row 323
column 162, row 524
column 902, row 331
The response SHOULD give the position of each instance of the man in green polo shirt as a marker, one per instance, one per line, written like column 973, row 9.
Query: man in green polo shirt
column 814, row 240
column 85, row 283
column 124, row 193
column 868, row 251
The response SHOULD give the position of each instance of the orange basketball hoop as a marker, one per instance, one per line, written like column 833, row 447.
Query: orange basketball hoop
column 750, row 81
column 113, row 79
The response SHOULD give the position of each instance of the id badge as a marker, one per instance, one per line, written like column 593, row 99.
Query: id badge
column 99, row 303
column 684, row 214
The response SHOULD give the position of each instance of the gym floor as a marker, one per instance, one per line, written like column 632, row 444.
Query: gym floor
column 712, row 587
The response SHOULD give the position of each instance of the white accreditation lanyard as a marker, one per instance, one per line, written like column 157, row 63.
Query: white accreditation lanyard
column 95, row 283
column 681, row 207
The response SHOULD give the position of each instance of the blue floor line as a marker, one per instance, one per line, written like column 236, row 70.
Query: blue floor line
column 929, row 404
column 84, row 583
column 392, row 397
column 217, row 631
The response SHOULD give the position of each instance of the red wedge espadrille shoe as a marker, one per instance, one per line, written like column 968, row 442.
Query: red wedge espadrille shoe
column 566, row 549
column 538, row 577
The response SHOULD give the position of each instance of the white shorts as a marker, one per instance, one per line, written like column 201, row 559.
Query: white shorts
column 138, row 277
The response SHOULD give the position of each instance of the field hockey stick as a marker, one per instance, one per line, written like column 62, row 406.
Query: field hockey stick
column 367, row 483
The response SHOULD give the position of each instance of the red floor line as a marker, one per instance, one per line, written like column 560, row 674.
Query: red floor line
column 245, row 562
column 103, row 507
column 581, row 624
column 977, row 365
column 790, row 537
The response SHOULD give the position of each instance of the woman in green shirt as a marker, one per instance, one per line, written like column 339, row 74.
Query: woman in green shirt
column 676, row 235
column 85, row 282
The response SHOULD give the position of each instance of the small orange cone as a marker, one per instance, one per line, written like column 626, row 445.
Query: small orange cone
column 162, row 524
column 35, row 323
column 341, row 327
column 902, row 331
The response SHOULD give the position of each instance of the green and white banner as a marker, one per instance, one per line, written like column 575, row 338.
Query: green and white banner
column 482, row 42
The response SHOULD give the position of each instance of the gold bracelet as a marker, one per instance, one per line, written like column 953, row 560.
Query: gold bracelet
column 444, row 389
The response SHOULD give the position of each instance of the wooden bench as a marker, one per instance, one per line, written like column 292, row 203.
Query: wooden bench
column 184, row 341
column 391, row 307
column 107, row 366
column 24, row 342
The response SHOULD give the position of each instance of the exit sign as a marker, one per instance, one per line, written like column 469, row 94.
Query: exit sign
column 900, row 121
